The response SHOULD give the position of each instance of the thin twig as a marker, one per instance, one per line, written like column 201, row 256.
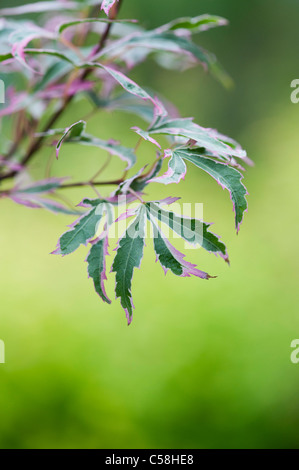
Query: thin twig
column 138, row 144
column 95, row 190
column 79, row 184
column 136, row 195
column 90, row 183
column 102, row 169
column 65, row 200
column 49, row 164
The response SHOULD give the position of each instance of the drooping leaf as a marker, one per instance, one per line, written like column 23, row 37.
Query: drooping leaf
column 192, row 230
column 229, row 178
column 96, row 260
column 74, row 131
column 170, row 258
column 129, row 256
column 107, row 5
column 82, row 231
column 130, row 86
column 75, row 134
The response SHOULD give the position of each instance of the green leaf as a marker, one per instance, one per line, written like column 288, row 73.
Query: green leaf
column 130, row 86
column 196, row 24
column 65, row 56
column 207, row 138
column 192, row 230
column 164, row 255
column 170, row 258
column 176, row 170
column 96, row 260
column 83, row 230
column 129, row 256
column 72, row 132
column 229, row 178
column 4, row 57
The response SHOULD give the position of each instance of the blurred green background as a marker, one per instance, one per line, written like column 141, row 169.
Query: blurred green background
column 204, row 364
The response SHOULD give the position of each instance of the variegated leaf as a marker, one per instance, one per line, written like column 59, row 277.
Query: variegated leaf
column 129, row 255
column 74, row 131
column 192, row 230
column 170, row 258
column 96, row 260
column 82, row 231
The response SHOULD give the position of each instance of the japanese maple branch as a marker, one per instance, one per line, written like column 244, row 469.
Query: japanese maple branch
column 91, row 183
column 79, row 184
column 36, row 145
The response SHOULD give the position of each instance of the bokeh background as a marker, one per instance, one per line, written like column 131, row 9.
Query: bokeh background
column 204, row 364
